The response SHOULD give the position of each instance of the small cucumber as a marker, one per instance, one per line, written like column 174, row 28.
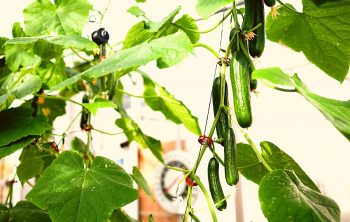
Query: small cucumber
column 248, row 20
column 230, row 155
column 239, row 74
column 222, row 123
column 84, row 115
column 215, row 188
column 270, row 3
column 257, row 45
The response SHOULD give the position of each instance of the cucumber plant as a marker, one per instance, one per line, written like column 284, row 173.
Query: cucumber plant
column 36, row 83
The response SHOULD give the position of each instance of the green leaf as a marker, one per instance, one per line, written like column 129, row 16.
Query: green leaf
column 134, row 133
column 17, row 30
column 65, row 17
column 17, row 123
column 336, row 111
column 159, row 99
column 18, row 55
column 187, row 24
column 6, row 100
column 78, row 145
column 251, row 167
column 47, row 50
column 119, row 215
column 170, row 50
column 140, row 1
column 73, row 193
column 320, row 2
column 141, row 181
column 207, row 7
column 277, row 159
column 248, row 163
column 150, row 218
column 51, row 109
column 273, row 76
column 162, row 26
column 136, row 11
column 52, row 72
column 67, row 41
column 25, row 211
column 284, row 197
column 137, row 34
column 321, row 33
column 23, row 85
column 31, row 165
column 14, row 146
column 99, row 103
column 4, row 213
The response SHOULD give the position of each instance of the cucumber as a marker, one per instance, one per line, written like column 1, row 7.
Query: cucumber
column 215, row 188
column 253, row 82
column 230, row 155
column 248, row 20
column 270, row 3
column 239, row 74
column 257, row 45
column 84, row 115
column 222, row 123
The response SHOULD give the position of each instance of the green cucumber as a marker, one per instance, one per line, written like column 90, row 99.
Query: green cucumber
column 84, row 114
column 257, row 45
column 270, row 3
column 222, row 123
column 248, row 20
column 215, row 188
column 239, row 74
column 230, row 155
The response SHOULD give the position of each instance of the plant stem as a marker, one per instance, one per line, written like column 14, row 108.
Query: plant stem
column 88, row 144
column 81, row 57
column 194, row 217
column 59, row 98
column 178, row 169
column 277, row 88
column 287, row 6
column 208, row 30
column 216, row 155
column 107, row 133
column 257, row 152
column 210, row 49
column 207, row 197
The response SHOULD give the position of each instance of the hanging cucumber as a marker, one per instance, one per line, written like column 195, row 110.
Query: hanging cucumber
column 222, row 123
column 257, row 45
column 84, row 114
column 270, row 3
column 239, row 74
column 248, row 20
column 230, row 154
column 215, row 188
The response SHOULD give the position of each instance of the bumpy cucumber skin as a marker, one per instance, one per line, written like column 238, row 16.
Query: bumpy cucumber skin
column 239, row 74
column 270, row 3
column 257, row 45
column 215, row 188
column 230, row 155
column 84, row 115
column 248, row 21
column 222, row 123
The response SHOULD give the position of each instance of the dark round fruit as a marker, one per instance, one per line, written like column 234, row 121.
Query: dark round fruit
column 100, row 36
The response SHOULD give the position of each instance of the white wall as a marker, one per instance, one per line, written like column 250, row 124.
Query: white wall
column 283, row 118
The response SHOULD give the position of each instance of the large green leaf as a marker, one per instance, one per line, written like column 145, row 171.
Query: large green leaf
column 251, row 167
column 99, row 103
column 134, row 133
column 21, row 86
column 119, row 215
column 73, row 193
column 14, row 146
column 208, row 7
column 170, row 50
column 248, row 163
column 67, row 41
column 336, row 111
column 52, row 73
column 283, row 197
column 187, row 24
column 24, row 211
column 277, row 159
column 273, row 76
column 159, row 99
column 17, row 123
column 322, row 33
column 18, row 56
column 66, row 17
column 141, row 181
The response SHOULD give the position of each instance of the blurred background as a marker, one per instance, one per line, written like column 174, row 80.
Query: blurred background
column 285, row 119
